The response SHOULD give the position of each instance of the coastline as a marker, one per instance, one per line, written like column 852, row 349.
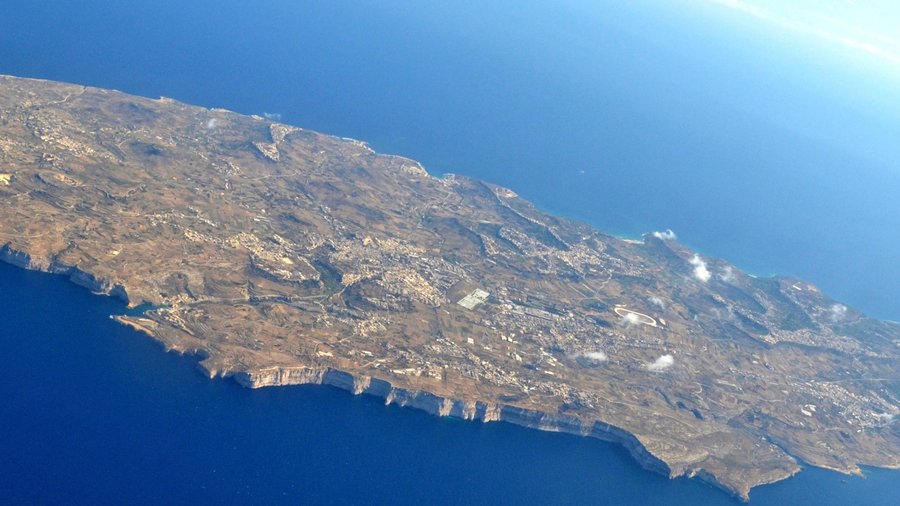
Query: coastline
column 422, row 400
column 477, row 411
column 652, row 447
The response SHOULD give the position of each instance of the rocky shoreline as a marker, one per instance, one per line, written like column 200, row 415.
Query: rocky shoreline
column 441, row 406
column 421, row 400
column 75, row 275
column 475, row 411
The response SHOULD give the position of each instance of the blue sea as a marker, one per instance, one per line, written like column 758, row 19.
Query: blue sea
column 632, row 116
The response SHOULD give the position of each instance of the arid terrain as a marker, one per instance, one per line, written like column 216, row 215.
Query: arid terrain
column 284, row 256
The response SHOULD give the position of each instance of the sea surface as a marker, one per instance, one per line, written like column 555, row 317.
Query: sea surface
column 633, row 116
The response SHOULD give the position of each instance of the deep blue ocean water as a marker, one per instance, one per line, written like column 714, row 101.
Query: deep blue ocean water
column 633, row 116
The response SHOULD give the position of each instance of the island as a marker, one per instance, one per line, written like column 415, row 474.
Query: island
column 282, row 256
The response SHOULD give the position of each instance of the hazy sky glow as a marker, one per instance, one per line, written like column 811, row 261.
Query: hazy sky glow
column 863, row 26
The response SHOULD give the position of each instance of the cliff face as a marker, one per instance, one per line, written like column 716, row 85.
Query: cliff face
column 484, row 412
column 440, row 406
column 75, row 275
column 476, row 411
column 283, row 256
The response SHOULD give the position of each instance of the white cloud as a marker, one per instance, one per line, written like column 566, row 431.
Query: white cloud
column 598, row 355
column 727, row 274
column 656, row 301
column 273, row 116
column 212, row 123
column 667, row 235
column 701, row 272
column 661, row 364
column 838, row 312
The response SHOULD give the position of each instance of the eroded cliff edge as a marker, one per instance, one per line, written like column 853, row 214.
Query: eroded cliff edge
column 284, row 256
